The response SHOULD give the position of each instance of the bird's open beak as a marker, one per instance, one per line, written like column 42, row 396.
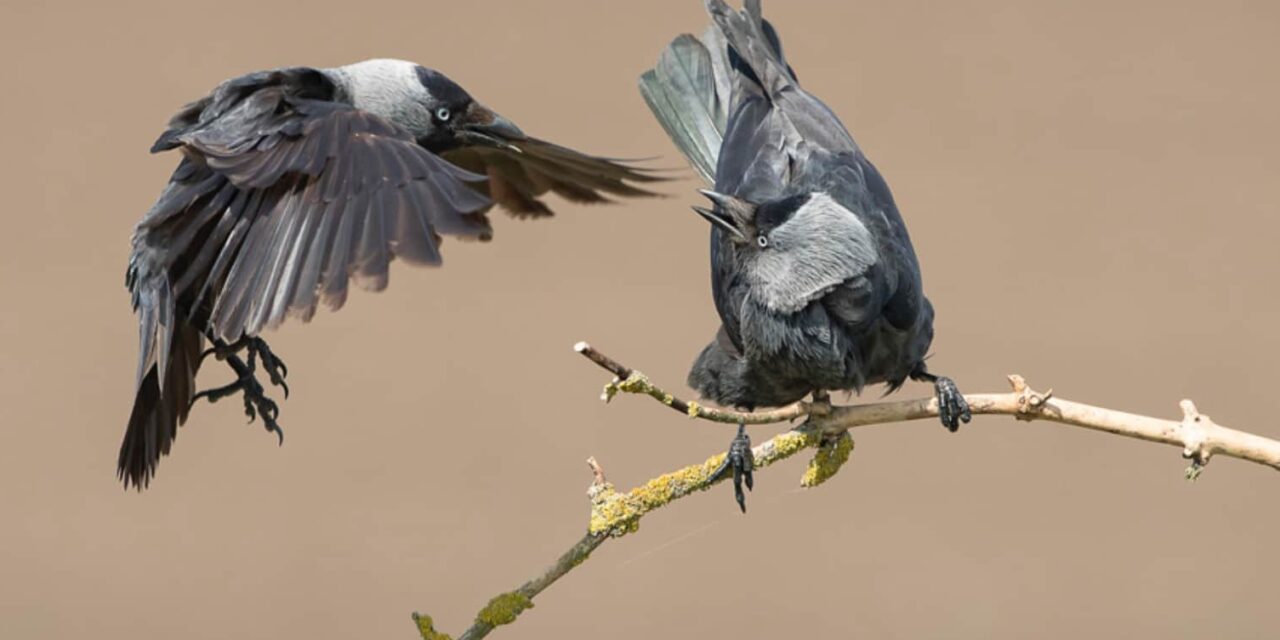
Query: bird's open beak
column 480, row 125
column 734, row 215
column 721, row 221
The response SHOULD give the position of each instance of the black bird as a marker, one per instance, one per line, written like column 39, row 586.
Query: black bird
column 294, row 181
column 813, row 273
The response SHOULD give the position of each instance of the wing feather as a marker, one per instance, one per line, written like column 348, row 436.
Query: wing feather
column 329, row 192
column 372, row 259
column 530, row 168
column 304, row 297
column 334, row 278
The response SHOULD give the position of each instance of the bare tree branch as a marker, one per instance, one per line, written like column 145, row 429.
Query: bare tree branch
column 1199, row 437
column 628, row 380
column 826, row 428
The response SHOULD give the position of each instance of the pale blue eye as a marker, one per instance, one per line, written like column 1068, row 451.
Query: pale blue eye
column 762, row 241
column 443, row 114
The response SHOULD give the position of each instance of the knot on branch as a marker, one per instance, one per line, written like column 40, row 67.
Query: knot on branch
column 694, row 409
column 1195, row 438
column 611, row 513
column 610, row 390
column 1030, row 403
column 639, row 384
column 831, row 456
column 635, row 382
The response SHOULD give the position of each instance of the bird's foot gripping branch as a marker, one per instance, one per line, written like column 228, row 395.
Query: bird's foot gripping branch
column 615, row 514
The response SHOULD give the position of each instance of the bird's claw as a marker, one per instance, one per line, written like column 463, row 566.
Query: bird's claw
column 952, row 407
column 256, row 402
column 275, row 367
column 258, row 351
column 742, row 462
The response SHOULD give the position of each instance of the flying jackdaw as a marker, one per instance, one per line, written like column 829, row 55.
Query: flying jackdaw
column 294, row 181
column 813, row 274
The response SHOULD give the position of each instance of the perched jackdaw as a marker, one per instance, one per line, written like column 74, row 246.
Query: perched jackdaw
column 291, row 183
column 814, row 277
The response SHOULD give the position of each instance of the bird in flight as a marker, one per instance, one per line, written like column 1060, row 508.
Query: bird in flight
column 813, row 274
column 294, row 182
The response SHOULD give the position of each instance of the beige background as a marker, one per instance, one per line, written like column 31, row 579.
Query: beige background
column 1091, row 188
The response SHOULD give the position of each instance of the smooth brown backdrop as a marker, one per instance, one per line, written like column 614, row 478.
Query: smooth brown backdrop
column 1091, row 188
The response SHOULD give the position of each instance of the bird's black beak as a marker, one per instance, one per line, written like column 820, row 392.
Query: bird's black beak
column 734, row 215
column 480, row 125
column 723, row 222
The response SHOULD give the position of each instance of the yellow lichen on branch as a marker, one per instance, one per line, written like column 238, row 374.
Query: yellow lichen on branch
column 827, row 461
column 426, row 627
column 504, row 609
column 617, row 514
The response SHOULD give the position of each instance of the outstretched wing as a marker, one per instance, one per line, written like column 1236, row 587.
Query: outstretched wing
column 281, row 200
column 525, row 169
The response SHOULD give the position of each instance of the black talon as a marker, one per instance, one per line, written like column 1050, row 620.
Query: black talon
column 952, row 407
column 275, row 367
column 282, row 384
column 742, row 462
column 949, row 396
column 269, row 356
column 256, row 402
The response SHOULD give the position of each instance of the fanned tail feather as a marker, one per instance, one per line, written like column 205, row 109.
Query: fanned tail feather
column 692, row 89
column 688, row 91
